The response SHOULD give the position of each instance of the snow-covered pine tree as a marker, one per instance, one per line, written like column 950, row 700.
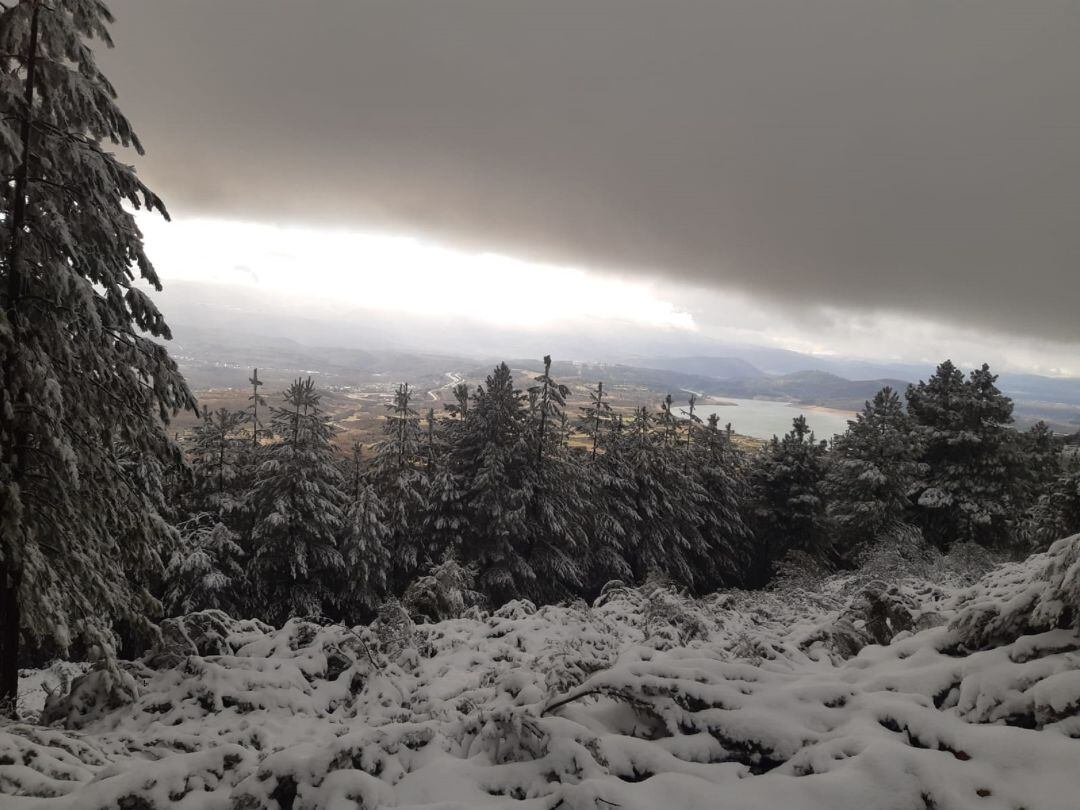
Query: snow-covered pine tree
column 1049, row 490
column 352, row 470
column 607, row 487
column 663, row 529
column 81, row 373
column 215, row 512
column 549, row 396
column 251, row 436
column 1041, row 463
column 399, row 479
column 693, row 420
column 296, row 564
column 1056, row 512
column 492, row 456
column 595, row 418
column 256, row 399
column 364, row 547
column 401, row 431
column 215, row 451
column 430, row 439
column 695, row 553
column 972, row 465
column 874, row 464
column 672, row 527
column 445, row 517
column 206, row 569
column 724, row 558
column 788, row 512
column 667, row 423
column 459, row 408
column 556, row 497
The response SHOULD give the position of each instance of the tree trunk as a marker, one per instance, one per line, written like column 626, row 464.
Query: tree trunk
column 9, row 639
column 596, row 425
column 10, row 570
column 543, row 421
column 254, row 380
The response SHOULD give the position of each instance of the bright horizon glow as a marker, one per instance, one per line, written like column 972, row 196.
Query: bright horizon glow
column 344, row 271
column 399, row 274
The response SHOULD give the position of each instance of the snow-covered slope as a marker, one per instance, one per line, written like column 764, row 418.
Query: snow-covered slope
column 645, row 699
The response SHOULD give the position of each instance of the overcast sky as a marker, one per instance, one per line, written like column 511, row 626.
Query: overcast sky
column 866, row 164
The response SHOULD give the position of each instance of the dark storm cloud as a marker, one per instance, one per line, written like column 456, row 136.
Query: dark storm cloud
column 888, row 154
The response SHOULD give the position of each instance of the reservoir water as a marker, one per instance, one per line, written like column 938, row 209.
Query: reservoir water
column 763, row 418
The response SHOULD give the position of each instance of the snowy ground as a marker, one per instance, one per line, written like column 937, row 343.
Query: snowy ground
column 644, row 700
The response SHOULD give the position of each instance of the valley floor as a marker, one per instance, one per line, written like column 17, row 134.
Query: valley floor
column 849, row 693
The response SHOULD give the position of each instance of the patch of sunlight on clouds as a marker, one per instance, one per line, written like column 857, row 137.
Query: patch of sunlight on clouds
column 399, row 274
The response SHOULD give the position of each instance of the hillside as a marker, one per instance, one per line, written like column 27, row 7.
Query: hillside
column 811, row 388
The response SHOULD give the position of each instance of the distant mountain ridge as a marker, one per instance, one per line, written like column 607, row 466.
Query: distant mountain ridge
column 775, row 362
column 1055, row 400
column 722, row 368
column 808, row 387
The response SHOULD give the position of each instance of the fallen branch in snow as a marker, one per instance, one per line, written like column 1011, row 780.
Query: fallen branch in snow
column 320, row 619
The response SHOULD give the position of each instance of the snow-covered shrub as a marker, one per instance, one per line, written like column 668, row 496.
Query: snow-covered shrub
column 208, row 632
column 394, row 629
column 82, row 773
column 515, row 609
column 876, row 614
column 228, row 667
column 903, row 554
column 36, row 686
column 95, row 694
column 899, row 553
column 579, row 706
column 967, row 562
column 798, row 570
column 1041, row 593
column 612, row 589
column 671, row 619
column 444, row 593
column 46, row 762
